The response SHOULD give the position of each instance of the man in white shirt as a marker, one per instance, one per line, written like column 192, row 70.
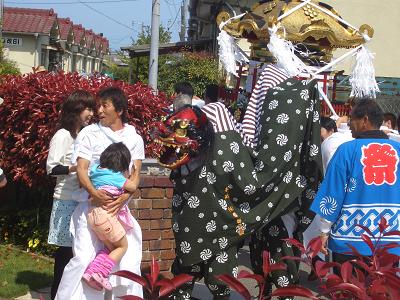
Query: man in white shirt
column 90, row 143
column 331, row 139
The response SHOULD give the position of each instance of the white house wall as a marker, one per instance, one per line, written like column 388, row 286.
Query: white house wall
column 24, row 55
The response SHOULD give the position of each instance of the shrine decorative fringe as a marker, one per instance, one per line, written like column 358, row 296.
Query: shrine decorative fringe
column 284, row 52
column 362, row 78
column 228, row 51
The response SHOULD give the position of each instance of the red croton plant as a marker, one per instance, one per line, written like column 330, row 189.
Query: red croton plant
column 372, row 277
column 29, row 114
column 154, row 288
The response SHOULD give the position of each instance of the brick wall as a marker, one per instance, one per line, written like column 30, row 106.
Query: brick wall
column 152, row 209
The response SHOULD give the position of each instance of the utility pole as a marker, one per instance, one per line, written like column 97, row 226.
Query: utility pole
column 1, row 17
column 184, row 9
column 155, row 35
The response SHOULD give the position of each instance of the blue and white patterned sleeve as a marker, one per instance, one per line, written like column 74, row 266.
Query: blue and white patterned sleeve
column 331, row 194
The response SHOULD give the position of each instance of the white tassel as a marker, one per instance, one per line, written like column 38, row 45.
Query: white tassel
column 228, row 50
column 285, row 55
column 362, row 78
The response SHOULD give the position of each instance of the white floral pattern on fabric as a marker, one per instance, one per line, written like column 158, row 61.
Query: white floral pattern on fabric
column 176, row 200
column 223, row 204
column 283, row 281
column 193, row 202
column 304, row 94
column 228, row 166
column 273, row 104
column 223, row 242
column 328, row 205
column 269, row 187
column 254, row 173
column 259, row 165
column 210, row 227
column 315, row 116
column 185, row 247
column 245, row 207
column 211, row 178
column 287, row 156
column 282, row 118
column 222, row 257
column 314, row 150
column 235, row 272
column 205, row 254
column 234, row 147
column 203, row 172
column 273, row 231
column 281, row 139
column 249, row 189
column 310, row 194
column 288, row 177
column 301, row 181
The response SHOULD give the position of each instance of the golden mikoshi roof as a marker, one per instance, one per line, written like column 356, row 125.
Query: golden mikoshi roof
column 307, row 25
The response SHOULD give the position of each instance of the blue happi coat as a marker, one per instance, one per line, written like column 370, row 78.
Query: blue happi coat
column 361, row 185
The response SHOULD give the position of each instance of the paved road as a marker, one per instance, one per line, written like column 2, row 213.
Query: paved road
column 200, row 291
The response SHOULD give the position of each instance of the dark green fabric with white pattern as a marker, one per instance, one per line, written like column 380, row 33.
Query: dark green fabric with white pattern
column 264, row 183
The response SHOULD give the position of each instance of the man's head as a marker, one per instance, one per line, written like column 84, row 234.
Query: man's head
column 211, row 93
column 366, row 115
column 328, row 127
column 389, row 120
column 113, row 105
column 181, row 101
column 184, row 88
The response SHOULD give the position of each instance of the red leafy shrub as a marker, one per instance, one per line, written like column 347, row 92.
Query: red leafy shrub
column 154, row 288
column 29, row 114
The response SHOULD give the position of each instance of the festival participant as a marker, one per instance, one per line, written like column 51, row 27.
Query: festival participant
column 91, row 142
column 76, row 113
column 389, row 122
column 110, row 176
column 180, row 101
column 331, row 140
column 361, row 186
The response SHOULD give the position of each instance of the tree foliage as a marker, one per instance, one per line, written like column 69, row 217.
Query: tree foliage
column 200, row 69
column 144, row 36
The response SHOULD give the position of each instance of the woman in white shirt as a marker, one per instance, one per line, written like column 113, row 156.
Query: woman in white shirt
column 76, row 112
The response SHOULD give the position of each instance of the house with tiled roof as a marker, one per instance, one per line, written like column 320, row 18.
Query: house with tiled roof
column 37, row 37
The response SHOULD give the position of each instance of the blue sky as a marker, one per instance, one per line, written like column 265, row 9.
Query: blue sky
column 130, row 13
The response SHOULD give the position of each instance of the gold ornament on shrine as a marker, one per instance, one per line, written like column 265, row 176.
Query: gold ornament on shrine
column 319, row 32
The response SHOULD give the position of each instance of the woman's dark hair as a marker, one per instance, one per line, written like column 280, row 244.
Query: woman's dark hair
column 76, row 103
column 118, row 99
column 116, row 157
column 369, row 108
column 328, row 124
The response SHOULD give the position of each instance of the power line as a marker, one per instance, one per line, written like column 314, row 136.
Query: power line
column 177, row 13
column 108, row 17
column 71, row 2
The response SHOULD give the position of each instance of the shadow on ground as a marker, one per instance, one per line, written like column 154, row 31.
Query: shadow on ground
column 34, row 280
